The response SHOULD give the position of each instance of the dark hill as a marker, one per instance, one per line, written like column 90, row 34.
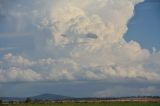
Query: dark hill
column 50, row 97
column 38, row 97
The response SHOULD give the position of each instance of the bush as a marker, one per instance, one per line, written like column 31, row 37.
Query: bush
column 28, row 100
column 1, row 101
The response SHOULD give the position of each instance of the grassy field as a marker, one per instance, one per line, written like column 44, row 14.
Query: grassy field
column 92, row 104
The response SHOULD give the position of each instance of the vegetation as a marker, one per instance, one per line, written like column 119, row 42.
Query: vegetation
column 28, row 100
column 91, row 104
column 1, row 101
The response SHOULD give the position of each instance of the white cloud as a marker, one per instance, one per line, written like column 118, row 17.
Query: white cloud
column 14, row 74
column 84, row 41
column 22, row 69
column 18, row 68
column 76, row 20
column 17, row 60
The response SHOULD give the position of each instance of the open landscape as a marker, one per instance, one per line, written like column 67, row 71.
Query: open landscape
column 90, row 104
column 79, row 52
column 59, row 100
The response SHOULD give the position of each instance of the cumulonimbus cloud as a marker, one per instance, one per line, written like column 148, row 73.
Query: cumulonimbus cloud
column 84, row 41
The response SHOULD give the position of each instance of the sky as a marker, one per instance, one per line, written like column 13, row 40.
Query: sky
column 147, row 19
column 89, row 48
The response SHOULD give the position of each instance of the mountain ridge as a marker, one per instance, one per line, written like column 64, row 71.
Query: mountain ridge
column 45, row 96
column 54, row 97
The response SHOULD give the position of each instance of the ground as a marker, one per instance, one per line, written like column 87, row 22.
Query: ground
column 92, row 104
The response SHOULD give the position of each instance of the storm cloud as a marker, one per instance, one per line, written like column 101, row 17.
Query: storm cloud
column 73, row 40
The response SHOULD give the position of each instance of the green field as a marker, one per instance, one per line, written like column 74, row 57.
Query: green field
column 92, row 104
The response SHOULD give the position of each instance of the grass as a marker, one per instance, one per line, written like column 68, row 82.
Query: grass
column 92, row 104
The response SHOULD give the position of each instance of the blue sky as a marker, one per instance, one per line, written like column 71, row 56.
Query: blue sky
column 93, row 48
column 145, row 25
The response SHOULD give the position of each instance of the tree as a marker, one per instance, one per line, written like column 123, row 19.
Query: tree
column 28, row 100
column 1, row 101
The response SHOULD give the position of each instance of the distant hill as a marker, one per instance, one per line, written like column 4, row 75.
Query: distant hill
column 38, row 97
column 55, row 97
column 50, row 97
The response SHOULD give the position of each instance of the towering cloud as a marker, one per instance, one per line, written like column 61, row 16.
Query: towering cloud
column 75, row 40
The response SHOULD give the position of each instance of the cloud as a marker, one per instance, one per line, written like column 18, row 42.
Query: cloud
column 14, row 74
column 76, row 21
column 17, row 60
column 76, row 41
column 18, row 68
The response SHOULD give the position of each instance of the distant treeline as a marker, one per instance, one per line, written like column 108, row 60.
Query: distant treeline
column 89, row 99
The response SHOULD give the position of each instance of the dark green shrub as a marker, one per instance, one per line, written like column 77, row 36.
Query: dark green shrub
column 28, row 100
column 1, row 101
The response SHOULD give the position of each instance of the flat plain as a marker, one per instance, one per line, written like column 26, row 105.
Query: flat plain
column 91, row 104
